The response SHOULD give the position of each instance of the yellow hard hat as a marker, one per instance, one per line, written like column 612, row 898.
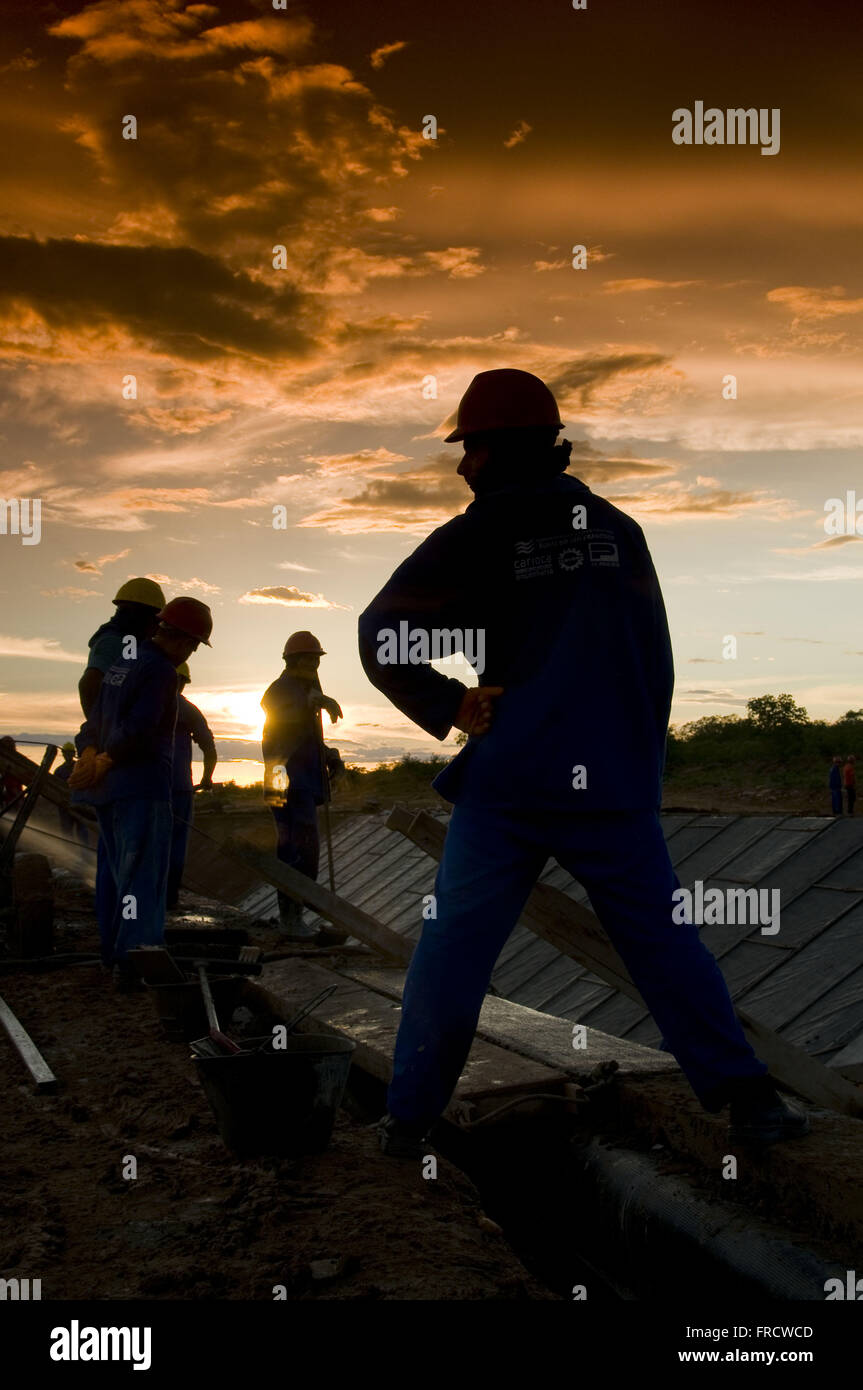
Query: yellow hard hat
column 141, row 590
column 68, row 748
column 183, row 670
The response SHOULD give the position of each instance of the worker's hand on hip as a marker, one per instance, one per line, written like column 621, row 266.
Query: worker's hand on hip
column 477, row 709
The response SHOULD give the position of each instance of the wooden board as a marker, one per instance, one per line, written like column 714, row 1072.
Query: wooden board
column 27, row 1050
column 371, row 1021
column 540, row 1037
column 7, row 849
column 207, row 871
column 305, row 890
column 52, row 788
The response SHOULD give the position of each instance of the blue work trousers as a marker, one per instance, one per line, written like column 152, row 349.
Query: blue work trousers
column 490, row 863
column 135, row 844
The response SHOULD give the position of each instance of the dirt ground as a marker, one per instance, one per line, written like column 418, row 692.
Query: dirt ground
column 197, row 1223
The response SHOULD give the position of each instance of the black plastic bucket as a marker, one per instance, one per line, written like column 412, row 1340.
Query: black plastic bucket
column 282, row 1101
column 181, row 1009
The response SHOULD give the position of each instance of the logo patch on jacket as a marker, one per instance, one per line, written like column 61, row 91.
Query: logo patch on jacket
column 603, row 552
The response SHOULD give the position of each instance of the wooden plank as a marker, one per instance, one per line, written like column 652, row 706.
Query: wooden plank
column 51, row 787
column 576, row 932
column 804, row 1072
column 7, row 851
column 27, row 1050
column 207, row 871
column 329, row 905
column 541, row 1037
column 371, row 1020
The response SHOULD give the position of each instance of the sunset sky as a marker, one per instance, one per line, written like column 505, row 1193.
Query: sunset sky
column 409, row 258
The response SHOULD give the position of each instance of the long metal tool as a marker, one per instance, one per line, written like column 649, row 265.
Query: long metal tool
column 298, row 1017
column 227, row 1044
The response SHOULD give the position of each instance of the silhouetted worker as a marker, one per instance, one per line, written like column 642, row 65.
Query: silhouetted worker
column 191, row 724
column 561, row 586
column 836, row 785
column 125, row 770
column 295, row 763
column 850, row 779
column 69, row 824
column 137, row 603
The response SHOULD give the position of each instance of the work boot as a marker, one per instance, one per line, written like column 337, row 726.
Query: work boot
column 293, row 928
column 401, row 1140
column 328, row 937
column 759, row 1115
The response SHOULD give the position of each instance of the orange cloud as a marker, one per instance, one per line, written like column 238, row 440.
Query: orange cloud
column 109, row 33
column 96, row 566
column 518, row 136
column 640, row 285
column 809, row 302
column 379, row 56
column 288, row 597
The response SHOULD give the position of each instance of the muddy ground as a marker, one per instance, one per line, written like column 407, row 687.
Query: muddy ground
column 197, row 1223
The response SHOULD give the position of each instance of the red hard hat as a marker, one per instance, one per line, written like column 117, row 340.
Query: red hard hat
column 300, row 642
column 191, row 616
column 505, row 399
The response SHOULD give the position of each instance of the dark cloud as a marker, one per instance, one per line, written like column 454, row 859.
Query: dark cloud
column 172, row 299
column 578, row 380
column 247, row 130
column 413, row 501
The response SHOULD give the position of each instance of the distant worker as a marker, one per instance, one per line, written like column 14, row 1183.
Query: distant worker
column 125, row 770
column 836, row 785
column 191, row 724
column 138, row 603
column 10, row 786
column 296, row 765
column 850, row 778
column 69, row 825
column 557, row 588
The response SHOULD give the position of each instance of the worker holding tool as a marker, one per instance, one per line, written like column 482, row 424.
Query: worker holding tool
column 191, row 724
column 562, row 588
column 297, row 767
column 125, row 770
